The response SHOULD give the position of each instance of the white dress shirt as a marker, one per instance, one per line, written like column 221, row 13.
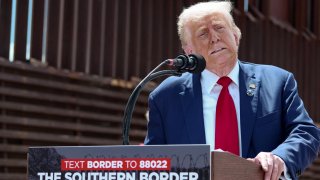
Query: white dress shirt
column 210, row 94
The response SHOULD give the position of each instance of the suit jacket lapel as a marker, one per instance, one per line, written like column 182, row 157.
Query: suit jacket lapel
column 249, row 90
column 191, row 98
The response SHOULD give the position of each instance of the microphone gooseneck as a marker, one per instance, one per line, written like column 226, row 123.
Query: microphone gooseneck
column 183, row 63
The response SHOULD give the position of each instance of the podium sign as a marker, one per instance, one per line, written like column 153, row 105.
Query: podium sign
column 165, row 162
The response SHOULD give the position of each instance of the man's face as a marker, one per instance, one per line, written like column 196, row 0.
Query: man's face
column 214, row 39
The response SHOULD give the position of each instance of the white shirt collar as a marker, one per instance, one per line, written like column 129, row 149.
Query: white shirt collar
column 210, row 79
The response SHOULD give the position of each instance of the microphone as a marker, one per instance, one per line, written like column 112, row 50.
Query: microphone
column 193, row 63
column 184, row 63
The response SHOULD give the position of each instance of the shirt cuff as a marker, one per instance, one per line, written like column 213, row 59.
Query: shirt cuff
column 285, row 175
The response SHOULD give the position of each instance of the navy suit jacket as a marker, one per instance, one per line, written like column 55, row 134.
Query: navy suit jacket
column 272, row 120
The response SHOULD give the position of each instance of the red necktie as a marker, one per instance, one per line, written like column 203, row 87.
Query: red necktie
column 226, row 137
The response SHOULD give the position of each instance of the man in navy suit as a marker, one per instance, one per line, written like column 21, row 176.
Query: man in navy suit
column 272, row 126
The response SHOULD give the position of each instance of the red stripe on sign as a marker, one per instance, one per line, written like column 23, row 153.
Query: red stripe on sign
column 117, row 164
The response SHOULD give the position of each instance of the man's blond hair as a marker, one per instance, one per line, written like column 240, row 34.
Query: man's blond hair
column 202, row 9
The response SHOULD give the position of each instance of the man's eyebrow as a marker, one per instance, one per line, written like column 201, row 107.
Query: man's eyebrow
column 202, row 28
column 218, row 22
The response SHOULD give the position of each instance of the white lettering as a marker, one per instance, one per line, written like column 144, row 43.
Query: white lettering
column 143, row 176
column 131, row 176
column 112, row 176
column 49, row 176
column 164, row 176
column 94, row 175
column 193, row 176
column 41, row 174
column 103, row 176
column 153, row 176
column 68, row 176
column 77, row 176
column 104, row 164
column 174, row 175
column 183, row 176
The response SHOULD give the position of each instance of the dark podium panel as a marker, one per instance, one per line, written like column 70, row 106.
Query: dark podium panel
column 166, row 162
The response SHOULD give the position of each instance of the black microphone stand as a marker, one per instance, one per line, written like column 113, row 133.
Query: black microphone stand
column 134, row 96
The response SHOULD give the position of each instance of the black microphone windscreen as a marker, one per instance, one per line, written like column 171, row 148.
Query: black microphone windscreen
column 200, row 63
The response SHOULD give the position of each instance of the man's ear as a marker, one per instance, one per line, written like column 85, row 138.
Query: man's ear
column 236, row 38
column 187, row 49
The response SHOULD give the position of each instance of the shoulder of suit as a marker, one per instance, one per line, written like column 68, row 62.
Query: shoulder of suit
column 263, row 68
column 172, row 83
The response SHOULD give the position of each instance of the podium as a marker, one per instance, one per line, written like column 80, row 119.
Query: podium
column 227, row 166
column 166, row 162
